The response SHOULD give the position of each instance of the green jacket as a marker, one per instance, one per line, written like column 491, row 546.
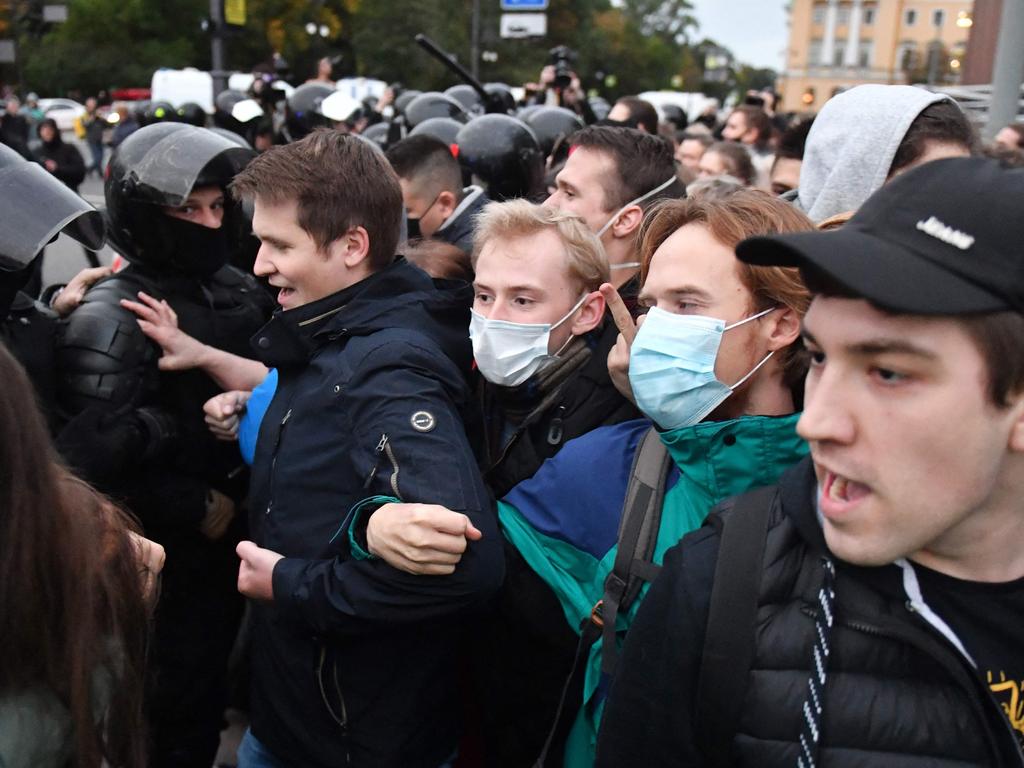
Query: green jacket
column 565, row 519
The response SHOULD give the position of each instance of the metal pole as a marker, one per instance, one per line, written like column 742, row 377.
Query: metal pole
column 218, row 48
column 1009, row 68
column 474, row 42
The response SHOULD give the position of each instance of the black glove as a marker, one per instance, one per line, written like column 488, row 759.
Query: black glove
column 104, row 446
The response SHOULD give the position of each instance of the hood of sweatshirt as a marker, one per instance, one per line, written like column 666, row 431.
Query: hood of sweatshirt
column 852, row 143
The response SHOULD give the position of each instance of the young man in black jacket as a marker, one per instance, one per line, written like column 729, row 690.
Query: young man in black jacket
column 354, row 662
column 881, row 623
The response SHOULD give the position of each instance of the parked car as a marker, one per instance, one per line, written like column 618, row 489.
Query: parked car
column 64, row 111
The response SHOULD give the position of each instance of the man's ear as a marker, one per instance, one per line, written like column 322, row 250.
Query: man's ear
column 627, row 222
column 447, row 203
column 590, row 315
column 354, row 247
column 1017, row 428
column 781, row 328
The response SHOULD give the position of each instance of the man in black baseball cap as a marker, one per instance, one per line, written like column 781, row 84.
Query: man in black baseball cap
column 877, row 615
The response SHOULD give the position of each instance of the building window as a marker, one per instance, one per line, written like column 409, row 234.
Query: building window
column 938, row 17
column 869, row 16
column 864, row 54
column 819, row 14
column 906, row 56
column 814, row 54
column 910, row 18
column 837, row 54
column 844, row 16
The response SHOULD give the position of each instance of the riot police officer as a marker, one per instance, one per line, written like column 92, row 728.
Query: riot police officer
column 170, row 215
column 37, row 207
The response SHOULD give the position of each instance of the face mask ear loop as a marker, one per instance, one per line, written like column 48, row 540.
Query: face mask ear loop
column 748, row 319
column 668, row 182
column 572, row 336
column 756, row 368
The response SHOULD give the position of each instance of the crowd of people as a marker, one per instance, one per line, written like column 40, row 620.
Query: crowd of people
column 444, row 430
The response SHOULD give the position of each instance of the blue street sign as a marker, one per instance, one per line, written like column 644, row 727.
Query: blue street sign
column 524, row 5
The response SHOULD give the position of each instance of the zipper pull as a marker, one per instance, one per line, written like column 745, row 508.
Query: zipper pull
column 377, row 453
column 286, row 417
column 556, row 430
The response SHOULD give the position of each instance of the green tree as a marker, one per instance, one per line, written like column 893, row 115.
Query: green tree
column 112, row 43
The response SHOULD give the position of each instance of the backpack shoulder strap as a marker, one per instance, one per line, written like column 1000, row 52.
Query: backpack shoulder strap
column 730, row 642
column 638, row 533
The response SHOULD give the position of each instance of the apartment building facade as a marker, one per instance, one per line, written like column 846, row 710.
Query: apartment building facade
column 837, row 44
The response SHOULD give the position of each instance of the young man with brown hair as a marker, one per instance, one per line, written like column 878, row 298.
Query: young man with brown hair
column 867, row 609
column 353, row 662
column 611, row 177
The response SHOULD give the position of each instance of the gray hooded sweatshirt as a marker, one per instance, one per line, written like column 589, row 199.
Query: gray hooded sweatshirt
column 852, row 144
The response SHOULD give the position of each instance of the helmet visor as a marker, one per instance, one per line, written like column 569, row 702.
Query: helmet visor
column 36, row 207
column 170, row 168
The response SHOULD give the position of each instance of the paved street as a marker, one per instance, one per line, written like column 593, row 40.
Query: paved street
column 65, row 257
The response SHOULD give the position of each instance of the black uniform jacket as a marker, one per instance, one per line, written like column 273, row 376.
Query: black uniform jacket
column 354, row 662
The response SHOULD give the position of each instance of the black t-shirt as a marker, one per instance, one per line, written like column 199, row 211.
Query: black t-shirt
column 989, row 620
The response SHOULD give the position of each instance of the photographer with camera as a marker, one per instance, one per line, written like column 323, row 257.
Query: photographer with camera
column 560, row 86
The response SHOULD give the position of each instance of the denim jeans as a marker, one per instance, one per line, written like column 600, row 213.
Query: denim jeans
column 252, row 754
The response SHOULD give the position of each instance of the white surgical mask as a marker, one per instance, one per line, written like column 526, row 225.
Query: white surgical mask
column 672, row 367
column 508, row 353
column 639, row 200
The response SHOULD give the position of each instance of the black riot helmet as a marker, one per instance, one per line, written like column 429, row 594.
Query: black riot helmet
column 503, row 154
column 433, row 104
column 378, row 134
column 442, row 128
column 158, row 167
column 158, row 112
column 551, row 124
column 524, row 113
column 36, row 208
column 303, row 110
column 404, row 99
column 236, row 112
column 467, row 96
column 500, row 98
column 231, row 136
column 192, row 114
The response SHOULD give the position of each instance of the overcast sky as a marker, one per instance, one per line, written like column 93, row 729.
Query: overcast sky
column 754, row 30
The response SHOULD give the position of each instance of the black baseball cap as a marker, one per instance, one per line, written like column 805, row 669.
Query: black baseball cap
column 946, row 238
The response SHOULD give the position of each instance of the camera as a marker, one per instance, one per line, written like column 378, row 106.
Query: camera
column 562, row 58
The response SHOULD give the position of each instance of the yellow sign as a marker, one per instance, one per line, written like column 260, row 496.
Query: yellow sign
column 234, row 12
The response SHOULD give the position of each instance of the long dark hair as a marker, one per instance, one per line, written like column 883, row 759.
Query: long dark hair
column 73, row 617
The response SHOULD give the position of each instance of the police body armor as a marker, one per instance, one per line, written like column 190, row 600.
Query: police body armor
column 106, row 360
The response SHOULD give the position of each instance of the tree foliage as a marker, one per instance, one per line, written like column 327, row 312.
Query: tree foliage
column 623, row 47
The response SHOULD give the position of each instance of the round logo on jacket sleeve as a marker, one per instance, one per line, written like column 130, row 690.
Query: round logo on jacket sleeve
column 423, row 421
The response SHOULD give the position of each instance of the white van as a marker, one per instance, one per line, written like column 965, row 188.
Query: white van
column 180, row 86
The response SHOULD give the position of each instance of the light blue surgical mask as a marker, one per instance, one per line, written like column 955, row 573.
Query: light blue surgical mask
column 672, row 367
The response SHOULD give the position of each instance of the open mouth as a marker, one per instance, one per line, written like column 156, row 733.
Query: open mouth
column 284, row 294
column 840, row 493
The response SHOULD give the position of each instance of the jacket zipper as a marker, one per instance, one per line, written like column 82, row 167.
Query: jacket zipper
column 971, row 683
column 384, row 449
column 273, row 460
column 341, row 718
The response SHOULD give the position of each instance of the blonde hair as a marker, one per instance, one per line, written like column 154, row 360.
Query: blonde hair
column 585, row 259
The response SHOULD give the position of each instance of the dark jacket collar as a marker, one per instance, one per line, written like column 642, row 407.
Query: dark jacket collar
column 399, row 296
